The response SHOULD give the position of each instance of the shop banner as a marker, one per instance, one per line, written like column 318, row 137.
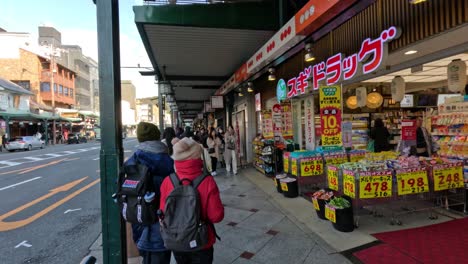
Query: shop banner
column 448, row 176
column 332, row 175
column 267, row 124
column 287, row 124
column 330, row 115
column 375, row 184
column 408, row 130
column 349, row 185
column 277, row 117
column 309, row 123
column 412, row 181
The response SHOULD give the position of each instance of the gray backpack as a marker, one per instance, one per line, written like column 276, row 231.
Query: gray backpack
column 182, row 228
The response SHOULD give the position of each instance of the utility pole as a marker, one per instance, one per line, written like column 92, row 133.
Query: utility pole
column 52, row 89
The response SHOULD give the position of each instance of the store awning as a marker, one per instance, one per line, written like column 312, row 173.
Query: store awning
column 13, row 87
column 197, row 47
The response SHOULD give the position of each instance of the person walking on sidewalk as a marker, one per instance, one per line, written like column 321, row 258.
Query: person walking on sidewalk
column 188, row 166
column 153, row 154
column 213, row 142
column 230, row 154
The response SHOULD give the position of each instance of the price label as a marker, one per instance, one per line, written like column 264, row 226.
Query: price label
column 286, row 164
column 311, row 167
column 349, row 184
column 316, row 205
column 337, row 159
column 357, row 157
column 332, row 175
column 294, row 167
column 412, row 181
column 448, row 177
column 276, row 183
column 330, row 213
column 284, row 186
column 375, row 186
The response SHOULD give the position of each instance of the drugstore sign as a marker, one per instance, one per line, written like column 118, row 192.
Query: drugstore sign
column 341, row 68
column 330, row 115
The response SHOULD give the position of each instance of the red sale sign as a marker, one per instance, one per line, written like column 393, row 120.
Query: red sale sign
column 408, row 129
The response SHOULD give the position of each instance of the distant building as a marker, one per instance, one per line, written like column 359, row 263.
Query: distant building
column 128, row 92
column 147, row 110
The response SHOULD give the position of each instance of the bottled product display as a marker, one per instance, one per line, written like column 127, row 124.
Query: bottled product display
column 264, row 151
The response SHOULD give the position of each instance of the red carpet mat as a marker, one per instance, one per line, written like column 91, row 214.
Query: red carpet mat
column 384, row 254
column 440, row 243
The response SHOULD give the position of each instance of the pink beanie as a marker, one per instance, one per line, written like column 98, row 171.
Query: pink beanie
column 186, row 149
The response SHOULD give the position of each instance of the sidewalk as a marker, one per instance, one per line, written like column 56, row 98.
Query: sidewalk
column 257, row 230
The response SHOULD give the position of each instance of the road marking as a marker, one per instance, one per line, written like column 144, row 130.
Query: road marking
column 41, row 166
column 32, row 158
column 10, row 163
column 127, row 151
column 23, row 244
column 5, row 226
column 96, row 158
column 71, row 210
column 53, row 155
column 19, row 183
column 68, row 152
column 72, row 159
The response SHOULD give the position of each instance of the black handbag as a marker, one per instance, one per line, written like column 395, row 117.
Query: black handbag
column 211, row 150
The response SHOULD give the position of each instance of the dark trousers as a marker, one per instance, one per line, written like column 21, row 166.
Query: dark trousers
column 163, row 257
column 214, row 162
column 199, row 257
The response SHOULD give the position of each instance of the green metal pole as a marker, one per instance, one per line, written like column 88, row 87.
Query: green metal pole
column 113, row 227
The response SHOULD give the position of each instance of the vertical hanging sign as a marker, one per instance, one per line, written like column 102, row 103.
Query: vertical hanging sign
column 287, row 125
column 277, row 122
column 330, row 115
column 309, row 123
column 267, row 124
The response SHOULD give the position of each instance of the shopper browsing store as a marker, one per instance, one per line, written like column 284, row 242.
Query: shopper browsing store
column 424, row 145
column 380, row 135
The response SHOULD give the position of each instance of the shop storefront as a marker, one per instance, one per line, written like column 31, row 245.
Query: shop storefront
column 316, row 119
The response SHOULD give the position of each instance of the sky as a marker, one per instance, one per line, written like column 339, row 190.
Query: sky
column 76, row 20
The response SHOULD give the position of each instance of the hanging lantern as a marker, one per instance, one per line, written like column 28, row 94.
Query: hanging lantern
column 398, row 87
column 374, row 100
column 456, row 75
column 361, row 96
column 351, row 102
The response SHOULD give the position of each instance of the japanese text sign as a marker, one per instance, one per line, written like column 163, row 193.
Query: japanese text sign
column 330, row 115
column 311, row 166
column 375, row 184
column 294, row 166
column 349, row 185
column 267, row 125
column 338, row 67
column 309, row 123
column 408, row 129
column 411, row 181
column 448, row 176
column 330, row 213
column 287, row 120
column 332, row 175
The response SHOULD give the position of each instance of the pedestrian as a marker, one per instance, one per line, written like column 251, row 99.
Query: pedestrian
column 222, row 146
column 189, row 166
column 187, row 133
column 153, row 154
column 425, row 146
column 38, row 135
column 213, row 142
column 168, row 135
column 380, row 135
column 230, row 154
column 4, row 139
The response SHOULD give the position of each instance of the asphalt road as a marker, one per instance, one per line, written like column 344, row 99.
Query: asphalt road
column 50, row 209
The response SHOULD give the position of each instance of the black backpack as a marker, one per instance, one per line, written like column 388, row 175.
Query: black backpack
column 135, row 181
column 182, row 228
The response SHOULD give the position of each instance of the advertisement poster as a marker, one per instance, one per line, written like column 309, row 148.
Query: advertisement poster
column 287, row 120
column 267, row 124
column 408, row 129
column 277, row 117
column 309, row 123
column 330, row 115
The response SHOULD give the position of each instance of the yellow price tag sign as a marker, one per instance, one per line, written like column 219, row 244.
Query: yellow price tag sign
column 284, row 186
column 294, row 166
column 349, row 184
column 311, row 166
column 276, row 183
column 411, row 181
column 448, row 176
column 286, row 164
column 316, row 205
column 356, row 157
column 336, row 159
column 332, row 175
column 375, row 184
column 330, row 213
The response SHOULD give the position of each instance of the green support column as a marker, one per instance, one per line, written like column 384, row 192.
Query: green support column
column 113, row 227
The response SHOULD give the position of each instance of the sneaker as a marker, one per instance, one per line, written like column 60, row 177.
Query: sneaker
column 213, row 173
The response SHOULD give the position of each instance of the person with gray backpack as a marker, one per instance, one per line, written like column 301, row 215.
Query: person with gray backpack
column 190, row 206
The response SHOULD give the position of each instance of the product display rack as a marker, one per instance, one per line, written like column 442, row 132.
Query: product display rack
column 450, row 130
column 264, row 157
column 360, row 134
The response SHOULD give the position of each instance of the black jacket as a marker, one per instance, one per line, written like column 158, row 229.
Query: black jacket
column 380, row 136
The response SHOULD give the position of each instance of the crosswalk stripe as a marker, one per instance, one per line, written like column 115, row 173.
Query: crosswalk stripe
column 32, row 158
column 53, row 155
column 68, row 152
column 10, row 163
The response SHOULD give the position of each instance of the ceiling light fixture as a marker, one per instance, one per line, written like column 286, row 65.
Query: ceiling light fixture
column 414, row 2
column 271, row 76
column 250, row 87
column 309, row 56
column 411, row 52
column 240, row 94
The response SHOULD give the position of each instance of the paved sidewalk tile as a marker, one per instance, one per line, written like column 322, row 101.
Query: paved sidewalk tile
column 262, row 220
column 245, row 239
column 285, row 249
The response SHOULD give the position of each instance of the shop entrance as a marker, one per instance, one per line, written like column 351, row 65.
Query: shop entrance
column 239, row 127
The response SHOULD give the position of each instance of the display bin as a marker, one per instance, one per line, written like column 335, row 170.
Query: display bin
column 319, row 205
column 289, row 187
column 344, row 218
column 310, row 172
column 277, row 182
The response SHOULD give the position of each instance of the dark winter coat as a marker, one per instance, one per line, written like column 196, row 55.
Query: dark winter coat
column 154, row 155
column 381, row 136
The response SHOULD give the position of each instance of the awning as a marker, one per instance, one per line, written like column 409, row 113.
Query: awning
column 13, row 87
column 197, row 47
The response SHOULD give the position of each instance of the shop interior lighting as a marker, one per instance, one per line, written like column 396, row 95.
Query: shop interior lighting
column 414, row 2
column 240, row 94
column 309, row 56
column 411, row 52
column 250, row 87
column 271, row 76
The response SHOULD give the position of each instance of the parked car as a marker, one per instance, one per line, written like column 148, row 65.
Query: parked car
column 76, row 139
column 24, row 143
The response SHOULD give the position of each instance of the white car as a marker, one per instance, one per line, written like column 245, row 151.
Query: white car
column 24, row 143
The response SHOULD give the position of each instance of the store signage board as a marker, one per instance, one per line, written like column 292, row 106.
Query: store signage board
column 277, row 122
column 208, row 108
column 258, row 102
column 412, row 181
column 339, row 68
column 281, row 90
column 375, row 184
column 448, row 176
column 217, row 102
column 309, row 123
column 330, row 115
column 267, row 125
column 408, row 130
column 287, row 124
column 408, row 101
